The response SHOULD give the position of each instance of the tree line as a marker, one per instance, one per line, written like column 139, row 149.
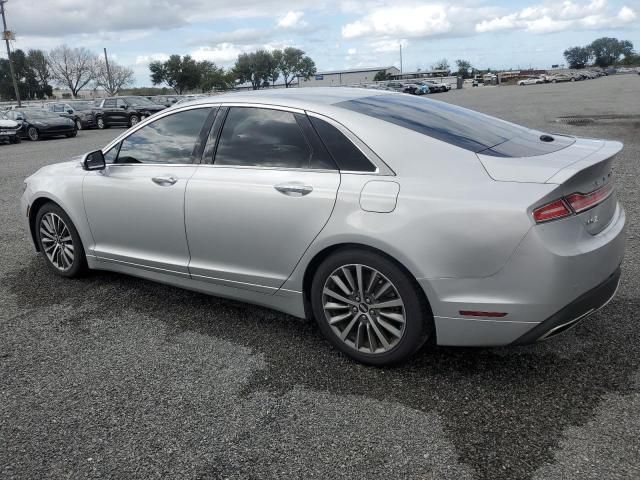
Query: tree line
column 603, row 52
column 261, row 69
column 72, row 68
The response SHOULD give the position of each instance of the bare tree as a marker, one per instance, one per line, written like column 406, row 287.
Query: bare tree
column 72, row 67
column 114, row 78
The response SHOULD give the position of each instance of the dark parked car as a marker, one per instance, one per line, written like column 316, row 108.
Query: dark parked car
column 82, row 113
column 124, row 111
column 37, row 123
column 166, row 100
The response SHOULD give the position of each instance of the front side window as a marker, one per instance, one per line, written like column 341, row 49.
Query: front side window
column 259, row 137
column 120, row 103
column 170, row 139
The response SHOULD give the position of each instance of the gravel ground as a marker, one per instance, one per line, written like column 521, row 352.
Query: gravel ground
column 115, row 377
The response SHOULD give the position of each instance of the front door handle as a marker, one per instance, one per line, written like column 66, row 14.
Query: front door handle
column 164, row 181
column 294, row 189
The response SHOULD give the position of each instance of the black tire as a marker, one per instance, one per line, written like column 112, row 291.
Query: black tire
column 134, row 120
column 73, row 134
column 573, row 80
column 79, row 265
column 14, row 139
column 33, row 134
column 418, row 326
column 100, row 123
column 554, row 81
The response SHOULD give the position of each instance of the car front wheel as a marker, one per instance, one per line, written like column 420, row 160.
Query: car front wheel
column 100, row 123
column 369, row 308
column 134, row 120
column 78, row 124
column 59, row 241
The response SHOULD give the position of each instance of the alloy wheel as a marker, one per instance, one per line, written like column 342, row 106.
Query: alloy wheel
column 78, row 125
column 56, row 241
column 363, row 308
column 100, row 123
column 134, row 120
column 33, row 133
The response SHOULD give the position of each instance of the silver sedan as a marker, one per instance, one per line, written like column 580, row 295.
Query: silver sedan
column 390, row 219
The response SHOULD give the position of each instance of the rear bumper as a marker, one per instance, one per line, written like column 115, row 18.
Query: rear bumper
column 575, row 312
column 557, row 270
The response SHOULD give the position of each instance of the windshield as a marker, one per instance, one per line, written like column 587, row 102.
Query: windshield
column 136, row 101
column 457, row 126
column 39, row 114
column 82, row 105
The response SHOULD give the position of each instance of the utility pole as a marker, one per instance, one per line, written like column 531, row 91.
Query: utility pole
column 109, row 80
column 400, row 58
column 6, row 34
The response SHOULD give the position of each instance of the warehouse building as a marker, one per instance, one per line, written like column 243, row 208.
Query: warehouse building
column 337, row 78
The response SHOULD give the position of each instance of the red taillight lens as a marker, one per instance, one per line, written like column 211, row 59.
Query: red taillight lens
column 584, row 201
column 551, row 211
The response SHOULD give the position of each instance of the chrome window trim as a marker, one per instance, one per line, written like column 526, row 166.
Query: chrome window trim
column 147, row 121
column 381, row 168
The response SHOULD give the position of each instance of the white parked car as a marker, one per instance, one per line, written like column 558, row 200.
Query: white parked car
column 530, row 81
column 9, row 129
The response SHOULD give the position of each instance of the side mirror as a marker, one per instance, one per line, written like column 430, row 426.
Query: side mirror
column 70, row 111
column 94, row 161
column 124, row 107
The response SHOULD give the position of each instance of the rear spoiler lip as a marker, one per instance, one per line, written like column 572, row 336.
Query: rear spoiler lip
column 609, row 149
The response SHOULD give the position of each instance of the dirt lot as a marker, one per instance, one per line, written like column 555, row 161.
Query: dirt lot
column 115, row 377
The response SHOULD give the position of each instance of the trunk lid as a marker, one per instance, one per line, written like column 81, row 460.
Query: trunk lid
column 584, row 167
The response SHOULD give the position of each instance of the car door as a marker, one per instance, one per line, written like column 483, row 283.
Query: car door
column 109, row 112
column 251, row 213
column 135, row 207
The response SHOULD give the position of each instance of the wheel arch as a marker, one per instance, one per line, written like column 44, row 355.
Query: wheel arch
column 34, row 208
column 320, row 256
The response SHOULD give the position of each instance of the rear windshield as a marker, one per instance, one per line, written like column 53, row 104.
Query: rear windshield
column 458, row 126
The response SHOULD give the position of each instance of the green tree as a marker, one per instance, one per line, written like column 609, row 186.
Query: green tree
column 255, row 67
column 381, row 76
column 607, row 51
column 213, row 77
column 464, row 67
column 30, row 84
column 179, row 73
column 295, row 64
column 37, row 63
column 442, row 64
column 577, row 57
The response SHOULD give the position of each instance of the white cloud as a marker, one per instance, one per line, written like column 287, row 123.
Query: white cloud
column 384, row 46
column 221, row 53
column 352, row 51
column 292, row 20
column 420, row 21
column 154, row 57
column 556, row 17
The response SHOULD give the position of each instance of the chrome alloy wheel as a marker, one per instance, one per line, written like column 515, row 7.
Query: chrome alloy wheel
column 363, row 308
column 56, row 241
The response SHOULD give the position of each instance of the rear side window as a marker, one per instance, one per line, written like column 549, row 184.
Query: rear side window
column 109, row 103
column 260, row 137
column 456, row 125
column 344, row 153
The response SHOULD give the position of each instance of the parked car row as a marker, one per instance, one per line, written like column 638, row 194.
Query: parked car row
column 573, row 76
column 421, row 87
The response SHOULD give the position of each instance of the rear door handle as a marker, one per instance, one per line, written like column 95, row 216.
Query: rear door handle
column 164, row 181
column 294, row 189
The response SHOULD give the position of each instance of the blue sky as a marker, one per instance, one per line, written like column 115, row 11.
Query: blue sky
column 336, row 34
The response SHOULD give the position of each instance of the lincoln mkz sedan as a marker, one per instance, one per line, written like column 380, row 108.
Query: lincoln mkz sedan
column 390, row 219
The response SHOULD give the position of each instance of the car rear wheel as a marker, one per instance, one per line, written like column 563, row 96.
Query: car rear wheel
column 100, row 123
column 14, row 139
column 72, row 134
column 369, row 308
column 33, row 134
column 78, row 124
column 133, row 120
column 59, row 241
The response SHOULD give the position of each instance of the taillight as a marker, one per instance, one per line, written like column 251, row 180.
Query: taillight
column 574, row 203
column 584, row 201
column 551, row 211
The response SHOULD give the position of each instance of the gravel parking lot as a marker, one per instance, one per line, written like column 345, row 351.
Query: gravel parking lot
column 115, row 377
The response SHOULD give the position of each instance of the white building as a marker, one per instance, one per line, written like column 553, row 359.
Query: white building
column 337, row 78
